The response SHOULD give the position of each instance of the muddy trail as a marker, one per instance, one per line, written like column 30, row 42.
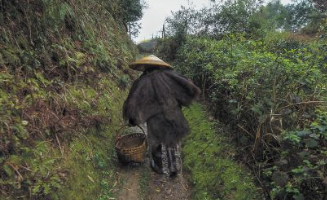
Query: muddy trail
column 141, row 183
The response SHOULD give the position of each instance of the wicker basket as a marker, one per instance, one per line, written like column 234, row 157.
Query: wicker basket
column 131, row 148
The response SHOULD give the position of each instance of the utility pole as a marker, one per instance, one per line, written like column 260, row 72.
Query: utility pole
column 163, row 31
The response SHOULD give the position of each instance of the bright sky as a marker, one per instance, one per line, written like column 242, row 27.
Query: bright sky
column 158, row 10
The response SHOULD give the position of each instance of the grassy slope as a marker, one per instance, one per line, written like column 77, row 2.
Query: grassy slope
column 208, row 155
column 91, row 158
column 62, row 79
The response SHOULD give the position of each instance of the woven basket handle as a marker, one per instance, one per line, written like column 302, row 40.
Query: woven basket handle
column 141, row 129
column 125, row 125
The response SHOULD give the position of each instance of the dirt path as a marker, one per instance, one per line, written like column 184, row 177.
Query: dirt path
column 141, row 183
column 130, row 178
column 162, row 188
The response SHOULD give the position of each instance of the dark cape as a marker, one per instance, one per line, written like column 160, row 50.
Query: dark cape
column 156, row 98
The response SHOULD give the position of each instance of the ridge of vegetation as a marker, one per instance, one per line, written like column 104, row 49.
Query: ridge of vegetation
column 63, row 73
column 262, row 70
column 274, row 103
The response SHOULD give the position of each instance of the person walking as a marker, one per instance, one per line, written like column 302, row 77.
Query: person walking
column 156, row 98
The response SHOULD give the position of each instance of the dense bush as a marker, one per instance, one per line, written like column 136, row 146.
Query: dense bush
column 272, row 92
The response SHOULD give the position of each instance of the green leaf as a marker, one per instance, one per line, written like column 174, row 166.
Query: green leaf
column 298, row 170
column 303, row 133
column 321, row 128
column 256, row 109
column 8, row 170
column 304, row 154
column 311, row 143
column 298, row 196
column 36, row 189
column 232, row 101
column 14, row 159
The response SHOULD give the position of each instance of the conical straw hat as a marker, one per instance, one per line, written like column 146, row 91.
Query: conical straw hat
column 149, row 62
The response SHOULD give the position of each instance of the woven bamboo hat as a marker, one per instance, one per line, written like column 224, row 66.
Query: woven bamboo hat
column 149, row 62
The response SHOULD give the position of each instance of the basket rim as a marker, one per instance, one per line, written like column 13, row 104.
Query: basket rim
column 133, row 148
column 143, row 136
column 130, row 134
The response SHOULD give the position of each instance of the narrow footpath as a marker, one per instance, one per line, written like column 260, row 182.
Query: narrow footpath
column 208, row 163
column 141, row 183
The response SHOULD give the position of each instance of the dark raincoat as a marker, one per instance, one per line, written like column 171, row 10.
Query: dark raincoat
column 156, row 97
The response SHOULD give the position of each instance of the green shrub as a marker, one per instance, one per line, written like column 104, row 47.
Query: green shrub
column 272, row 93
column 208, row 155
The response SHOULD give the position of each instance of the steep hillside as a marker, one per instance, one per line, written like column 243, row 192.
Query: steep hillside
column 62, row 79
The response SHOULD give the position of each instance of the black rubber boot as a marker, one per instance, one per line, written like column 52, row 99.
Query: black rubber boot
column 156, row 162
column 172, row 162
column 155, row 167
